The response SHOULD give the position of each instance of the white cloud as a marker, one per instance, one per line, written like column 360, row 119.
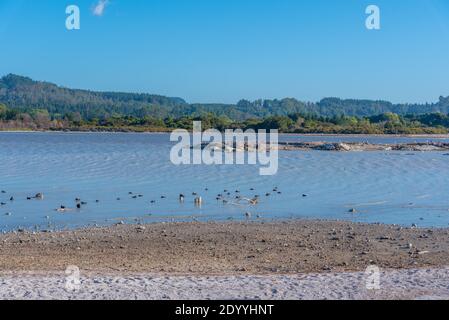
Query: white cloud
column 99, row 8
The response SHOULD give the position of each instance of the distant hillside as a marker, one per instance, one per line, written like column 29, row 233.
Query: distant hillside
column 25, row 95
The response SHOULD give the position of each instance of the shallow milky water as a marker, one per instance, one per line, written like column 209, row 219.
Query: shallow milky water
column 395, row 187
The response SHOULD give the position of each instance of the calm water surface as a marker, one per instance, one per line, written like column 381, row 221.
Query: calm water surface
column 398, row 187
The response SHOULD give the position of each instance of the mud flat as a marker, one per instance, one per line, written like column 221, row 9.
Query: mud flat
column 253, row 248
column 297, row 259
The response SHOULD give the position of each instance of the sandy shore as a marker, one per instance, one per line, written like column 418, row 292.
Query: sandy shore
column 254, row 260
column 417, row 284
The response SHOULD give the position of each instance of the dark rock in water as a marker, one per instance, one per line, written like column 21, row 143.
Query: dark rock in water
column 97, row 201
column 118, row 199
column 3, row 191
column 304, row 195
column 163, row 197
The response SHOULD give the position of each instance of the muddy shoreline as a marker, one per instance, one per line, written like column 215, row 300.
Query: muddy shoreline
column 252, row 248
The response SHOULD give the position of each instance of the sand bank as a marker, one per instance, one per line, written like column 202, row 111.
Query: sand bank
column 420, row 284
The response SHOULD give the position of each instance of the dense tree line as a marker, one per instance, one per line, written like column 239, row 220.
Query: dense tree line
column 28, row 104
column 388, row 123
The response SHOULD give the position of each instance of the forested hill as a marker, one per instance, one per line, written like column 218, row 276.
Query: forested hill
column 25, row 95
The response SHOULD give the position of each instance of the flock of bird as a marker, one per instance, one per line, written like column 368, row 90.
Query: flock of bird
column 226, row 197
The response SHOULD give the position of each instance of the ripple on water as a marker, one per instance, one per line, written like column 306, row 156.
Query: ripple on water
column 384, row 187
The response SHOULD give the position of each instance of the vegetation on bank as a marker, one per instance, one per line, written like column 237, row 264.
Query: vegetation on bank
column 388, row 123
column 26, row 104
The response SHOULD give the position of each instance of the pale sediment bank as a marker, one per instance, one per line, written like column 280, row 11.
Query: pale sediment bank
column 421, row 284
column 252, row 248
column 357, row 146
column 328, row 146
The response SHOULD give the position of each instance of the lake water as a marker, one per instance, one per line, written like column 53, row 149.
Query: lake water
column 396, row 187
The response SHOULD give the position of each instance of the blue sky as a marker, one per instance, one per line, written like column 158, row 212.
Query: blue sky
column 226, row 50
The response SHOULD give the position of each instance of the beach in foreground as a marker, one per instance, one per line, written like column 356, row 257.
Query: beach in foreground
column 279, row 260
